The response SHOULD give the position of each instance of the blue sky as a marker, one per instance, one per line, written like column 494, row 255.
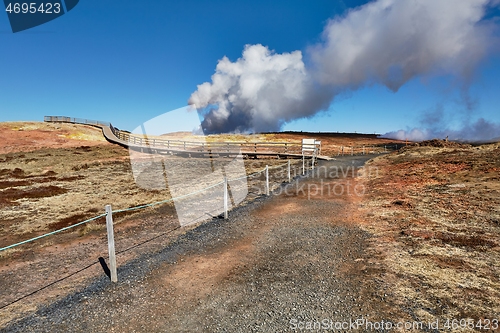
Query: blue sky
column 129, row 61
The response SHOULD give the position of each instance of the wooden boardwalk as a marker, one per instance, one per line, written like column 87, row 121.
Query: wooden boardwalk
column 145, row 144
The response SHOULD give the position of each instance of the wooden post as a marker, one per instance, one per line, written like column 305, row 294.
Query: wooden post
column 352, row 150
column 267, row 180
column 363, row 150
column 289, row 174
column 225, row 197
column 303, row 165
column 111, row 243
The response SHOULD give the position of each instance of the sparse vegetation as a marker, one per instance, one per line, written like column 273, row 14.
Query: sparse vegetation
column 436, row 212
column 62, row 181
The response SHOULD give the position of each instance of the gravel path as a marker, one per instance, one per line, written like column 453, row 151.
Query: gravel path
column 276, row 265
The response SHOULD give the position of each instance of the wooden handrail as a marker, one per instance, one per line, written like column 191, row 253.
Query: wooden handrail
column 182, row 145
column 252, row 148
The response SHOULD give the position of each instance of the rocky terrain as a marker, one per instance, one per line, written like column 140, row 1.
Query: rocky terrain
column 56, row 175
column 434, row 211
column 275, row 265
column 411, row 236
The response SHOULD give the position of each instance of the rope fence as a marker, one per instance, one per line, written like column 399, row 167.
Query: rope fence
column 110, row 212
column 53, row 232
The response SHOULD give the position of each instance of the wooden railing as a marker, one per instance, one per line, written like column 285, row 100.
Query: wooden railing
column 254, row 148
column 187, row 146
column 75, row 120
column 207, row 146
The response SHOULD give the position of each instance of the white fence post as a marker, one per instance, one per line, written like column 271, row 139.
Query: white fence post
column 111, row 243
column 267, row 180
column 289, row 174
column 225, row 197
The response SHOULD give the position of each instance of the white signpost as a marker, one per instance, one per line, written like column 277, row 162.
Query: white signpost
column 309, row 148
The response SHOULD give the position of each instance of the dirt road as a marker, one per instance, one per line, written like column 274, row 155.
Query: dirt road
column 279, row 264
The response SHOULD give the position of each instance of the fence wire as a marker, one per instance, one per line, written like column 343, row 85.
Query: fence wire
column 230, row 181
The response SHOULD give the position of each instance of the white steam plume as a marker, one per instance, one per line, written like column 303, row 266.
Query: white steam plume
column 386, row 41
column 392, row 41
column 259, row 92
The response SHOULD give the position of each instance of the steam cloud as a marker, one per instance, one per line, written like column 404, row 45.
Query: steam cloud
column 259, row 92
column 386, row 41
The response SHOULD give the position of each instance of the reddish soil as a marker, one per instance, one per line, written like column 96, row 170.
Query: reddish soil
column 52, row 161
column 435, row 212
column 297, row 255
column 25, row 137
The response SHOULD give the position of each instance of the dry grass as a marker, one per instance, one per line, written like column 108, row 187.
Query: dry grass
column 30, row 136
column 48, row 188
column 52, row 177
column 436, row 214
column 91, row 227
